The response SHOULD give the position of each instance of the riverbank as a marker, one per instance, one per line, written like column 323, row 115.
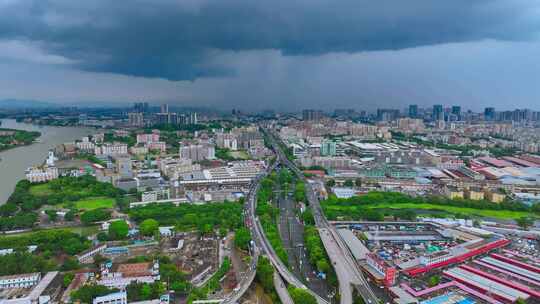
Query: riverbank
column 13, row 138
column 16, row 160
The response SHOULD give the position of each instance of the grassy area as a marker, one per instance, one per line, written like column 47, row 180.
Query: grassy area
column 82, row 231
column 41, row 190
column 85, row 230
column 95, row 203
column 44, row 190
column 501, row 214
column 374, row 204
column 239, row 154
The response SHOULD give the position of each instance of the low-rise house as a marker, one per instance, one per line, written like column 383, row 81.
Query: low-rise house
column 146, row 272
column 88, row 256
column 475, row 194
column 40, row 175
column 112, row 298
column 495, row 196
column 19, row 280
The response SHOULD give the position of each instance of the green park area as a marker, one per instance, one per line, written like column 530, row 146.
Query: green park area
column 55, row 251
column 86, row 202
column 450, row 210
column 502, row 214
column 83, row 231
column 239, row 154
column 94, row 203
column 374, row 205
column 77, row 194
column 72, row 188
column 41, row 190
column 206, row 218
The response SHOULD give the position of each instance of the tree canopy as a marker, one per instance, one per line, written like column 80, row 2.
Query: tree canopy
column 241, row 238
column 149, row 227
column 118, row 230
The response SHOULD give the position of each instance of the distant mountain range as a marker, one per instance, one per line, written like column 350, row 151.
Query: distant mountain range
column 26, row 104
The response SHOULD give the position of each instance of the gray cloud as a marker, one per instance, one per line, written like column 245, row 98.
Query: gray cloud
column 186, row 40
column 471, row 74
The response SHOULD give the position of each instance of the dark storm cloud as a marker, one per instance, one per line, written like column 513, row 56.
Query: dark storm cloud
column 182, row 39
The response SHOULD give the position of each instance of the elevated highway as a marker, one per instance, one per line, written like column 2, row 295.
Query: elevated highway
column 344, row 264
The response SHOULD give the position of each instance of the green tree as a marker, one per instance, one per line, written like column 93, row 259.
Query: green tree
column 434, row 280
column 22, row 262
column 307, row 217
column 8, row 209
column 70, row 263
column 408, row 215
column 98, row 260
column 358, row 182
column 525, row 222
column 348, row 183
column 265, row 274
column 323, row 266
column 102, row 236
column 88, row 292
column 330, row 183
column 118, row 230
column 146, row 292
column 222, row 232
column 300, row 192
column 242, row 238
column 52, row 215
column 373, row 215
column 66, row 280
column 70, row 215
column 95, row 215
column 301, row 296
column 149, row 227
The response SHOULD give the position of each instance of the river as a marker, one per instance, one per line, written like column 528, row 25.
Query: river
column 15, row 161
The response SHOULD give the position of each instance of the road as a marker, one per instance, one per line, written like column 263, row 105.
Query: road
column 344, row 263
column 249, row 276
column 281, row 290
column 292, row 236
column 262, row 243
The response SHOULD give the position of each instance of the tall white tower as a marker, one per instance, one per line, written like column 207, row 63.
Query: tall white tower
column 51, row 159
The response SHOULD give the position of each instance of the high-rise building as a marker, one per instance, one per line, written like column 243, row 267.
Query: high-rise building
column 193, row 118
column 196, row 152
column 345, row 113
column 124, row 166
column 438, row 112
column 489, row 114
column 328, row 148
column 136, row 119
column 164, row 108
column 311, row 115
column 387, row 114
column 456, row 110
column 413, row 111
column 166, row 118
column 140, row 107
column 187, row 119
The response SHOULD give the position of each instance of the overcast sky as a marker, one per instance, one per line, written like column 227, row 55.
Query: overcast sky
column 280, row 54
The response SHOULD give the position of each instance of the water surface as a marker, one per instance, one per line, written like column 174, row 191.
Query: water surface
column 15, row 161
